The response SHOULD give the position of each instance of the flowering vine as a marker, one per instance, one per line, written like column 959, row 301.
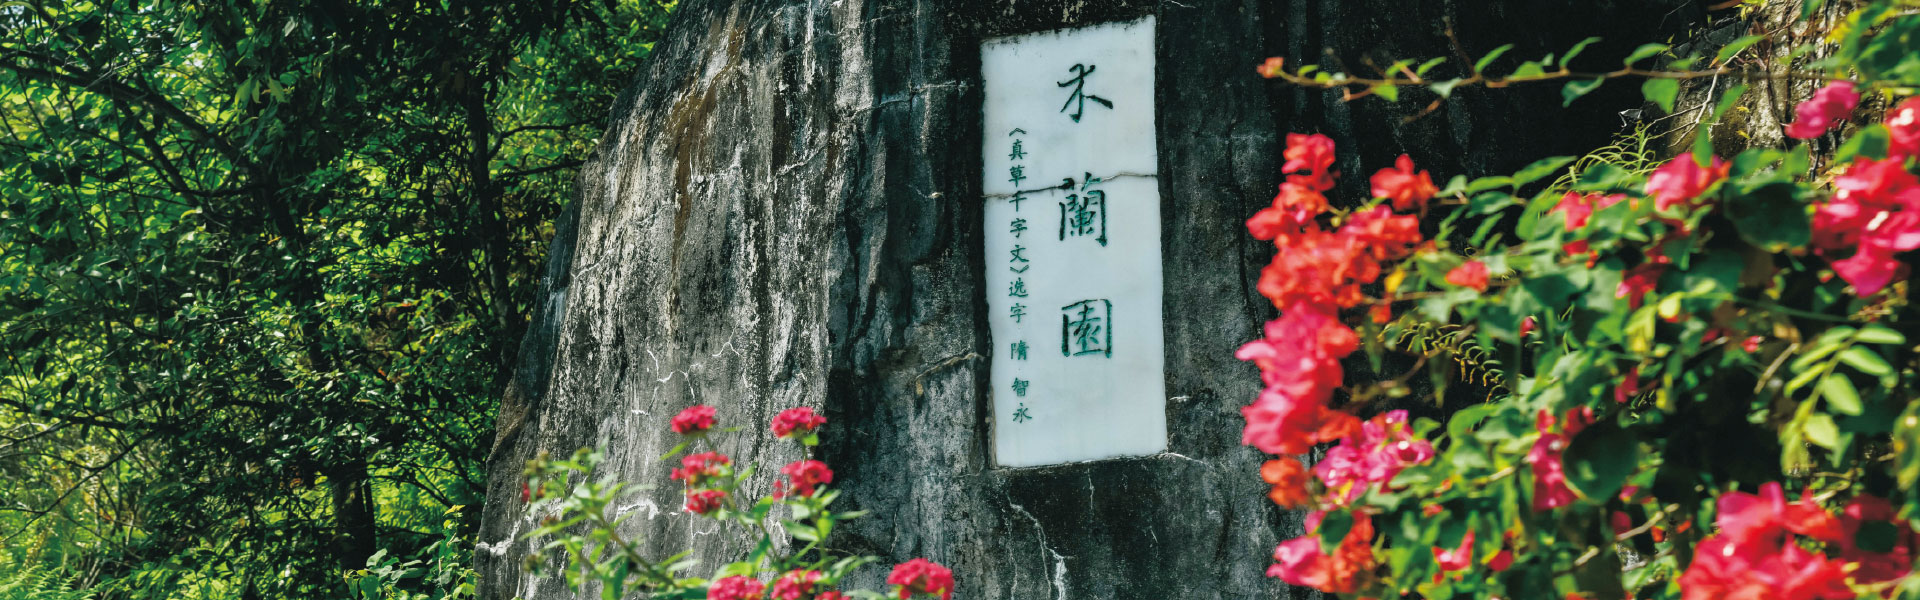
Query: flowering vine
column 1662, row 350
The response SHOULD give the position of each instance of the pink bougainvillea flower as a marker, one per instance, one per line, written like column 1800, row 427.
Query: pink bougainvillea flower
column 1828, row 106
column 796, row 421
column 1723, row 569
column 1639, row 281
column 703, row 502
column 1312, row 154
column 1271, row 67
column 1298, row 561
column 1876, row 567
column 1407, row 189
column 1382, row 234
column 693, row 420
column 1281, row 424
column 1500, row 560
column 1875, row 211
column 697, row 468
column 1682, row 181
column 831, row 595
column 1289, row 480
column 1526, row 326
column 1578, row 210
column 1457, row 559
column 1371, row 457
column 1550, row 489
column 1763, row 519
column 921, row 576
column 1629, row 385
column 1903, row 129
column 1293, row 210
column 737, row 587
column 1471, row 274
column 803, row 477
column 795, row 585
column 1869, row 270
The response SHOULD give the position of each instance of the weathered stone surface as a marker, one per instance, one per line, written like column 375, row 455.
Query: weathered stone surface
column 785, row 211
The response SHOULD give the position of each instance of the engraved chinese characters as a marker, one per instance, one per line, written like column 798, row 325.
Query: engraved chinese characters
column 1073, row 245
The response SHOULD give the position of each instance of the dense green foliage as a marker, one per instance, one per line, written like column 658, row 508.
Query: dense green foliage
column 262, row 269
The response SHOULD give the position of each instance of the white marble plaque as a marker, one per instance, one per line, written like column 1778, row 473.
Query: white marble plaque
column 1073, row 245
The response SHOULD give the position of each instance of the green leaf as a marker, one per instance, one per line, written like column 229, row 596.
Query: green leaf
column 1577, row 88
column 1734, row 48
column 1771, row 217
column 1429, row 65
column 1600, row 459
column 1530, row 68
column 1333, row 529
column 1481, row 65
column 1661, row 91
column 1540, row 168
column 1728, row 100
column 1643, row 52
column 1870, row 142
column 1575, row 51
column 1445, row 88
column 1390, row 92
column 1604, row 177
column 1880, row 334
column 1876, row 536
column 1822, row 432
column 1840, row 394
column 1867, row 361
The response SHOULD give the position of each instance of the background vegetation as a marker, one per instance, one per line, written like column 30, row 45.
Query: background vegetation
column 262, row 268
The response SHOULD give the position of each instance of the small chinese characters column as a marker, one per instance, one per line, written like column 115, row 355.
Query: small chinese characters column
column 1072, row 248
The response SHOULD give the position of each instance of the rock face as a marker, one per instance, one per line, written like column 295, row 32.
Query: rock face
column 785, row 211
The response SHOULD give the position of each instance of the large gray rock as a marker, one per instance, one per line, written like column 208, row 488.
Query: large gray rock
column 785, row 211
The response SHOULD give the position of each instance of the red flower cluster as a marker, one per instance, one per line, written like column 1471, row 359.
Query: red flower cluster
column 1471, row 274
column 802, row 478
column 693, row 420
column 1682, row 181
column 1903, row 129
column 1550, row 489
column 1383, row 447
column 737, row 587
column 1754, row 556
column 695, row 469
column 1578, row 210
column 704, row 502
column 795, row 585
column 1408, row 190
column 1827, row 107
column 921, row 576
column 796, row 420
column 1289, row 480
column 1314, row 274
column 1299, row 561
column 1875, row 211
column 1310, row 153
column 1757, row 552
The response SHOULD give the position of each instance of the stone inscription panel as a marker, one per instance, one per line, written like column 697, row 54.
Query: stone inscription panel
column 1073, row 245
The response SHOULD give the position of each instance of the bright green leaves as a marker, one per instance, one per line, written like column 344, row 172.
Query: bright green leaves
column 1538, row 169
column 1577, row 88
column 1661, row 91
column 1645, row 51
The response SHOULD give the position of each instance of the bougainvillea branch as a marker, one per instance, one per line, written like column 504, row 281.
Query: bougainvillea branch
column 1700, row 380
